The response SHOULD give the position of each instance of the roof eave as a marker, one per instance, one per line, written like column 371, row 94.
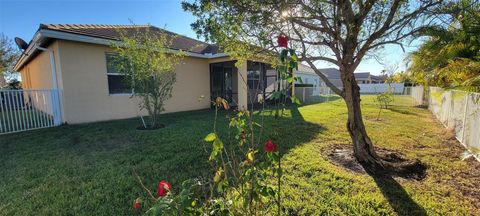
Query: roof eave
column 42, row 34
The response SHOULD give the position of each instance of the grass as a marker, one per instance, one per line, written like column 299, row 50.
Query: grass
column 87, row 169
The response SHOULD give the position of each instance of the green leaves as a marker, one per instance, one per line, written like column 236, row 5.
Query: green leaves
column 276, row 95
column 290, row 79
column 217, row 146
column 295, row 100
column 210, row 137
column 293, row 55
column 283, row 55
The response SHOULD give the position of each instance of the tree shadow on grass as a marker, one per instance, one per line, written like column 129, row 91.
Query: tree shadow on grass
column 399, row 199
column 321, row 99
column 402, row 110
column 290, row 130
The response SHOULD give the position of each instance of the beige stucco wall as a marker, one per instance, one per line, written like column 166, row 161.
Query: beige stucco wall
column 86, row 97
column 37, row 75
column 83, row 83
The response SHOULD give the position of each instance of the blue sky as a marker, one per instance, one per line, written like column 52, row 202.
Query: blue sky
column 20, row 18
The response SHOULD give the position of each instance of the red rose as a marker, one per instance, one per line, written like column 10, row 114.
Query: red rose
column 282, row 41
column 269, row 146
column 136, row 204
column 163, row 188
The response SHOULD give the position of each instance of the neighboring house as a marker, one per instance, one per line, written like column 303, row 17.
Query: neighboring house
column 308, row 76
column 91, row 91
column 367, row 78
column 333, row 76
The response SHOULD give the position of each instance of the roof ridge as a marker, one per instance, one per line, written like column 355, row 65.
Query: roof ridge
column 104, row 26
column 86, row 26
column 171, row 32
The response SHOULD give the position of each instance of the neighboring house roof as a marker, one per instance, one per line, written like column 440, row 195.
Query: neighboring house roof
column 106, row 34
column 304, row 69
column 380, row 78
column 331, row 73
column 362, row 75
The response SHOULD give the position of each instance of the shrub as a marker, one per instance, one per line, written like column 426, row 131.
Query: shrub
column 148, row 68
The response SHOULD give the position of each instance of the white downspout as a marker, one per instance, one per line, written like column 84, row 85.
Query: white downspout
column 57, row 119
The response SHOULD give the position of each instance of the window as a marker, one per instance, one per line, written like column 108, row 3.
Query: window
column 116, row 80
column 253, row 75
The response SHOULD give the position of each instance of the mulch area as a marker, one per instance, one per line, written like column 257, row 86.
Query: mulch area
column 467, row 181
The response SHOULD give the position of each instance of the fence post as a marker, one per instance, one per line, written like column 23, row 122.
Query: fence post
column 57, row 119
column 464, row 118
column 303, row 94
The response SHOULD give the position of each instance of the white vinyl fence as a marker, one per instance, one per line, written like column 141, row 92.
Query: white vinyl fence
column 417, row 95
column 395, row 88
column 458, row 110
column 22, row 110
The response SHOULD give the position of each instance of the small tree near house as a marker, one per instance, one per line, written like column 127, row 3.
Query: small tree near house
column 149, row 70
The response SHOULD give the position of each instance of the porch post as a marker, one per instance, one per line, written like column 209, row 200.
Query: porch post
column 242, row 85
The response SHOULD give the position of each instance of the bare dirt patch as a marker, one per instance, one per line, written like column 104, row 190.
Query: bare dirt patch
column 465, row 181
column 375, row 119
column 343, row 155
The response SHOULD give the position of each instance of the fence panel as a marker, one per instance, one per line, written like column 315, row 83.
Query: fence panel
column 22, row 110
column 417, row 95
column 396, row 88
column 314, row 94
column 460, row 111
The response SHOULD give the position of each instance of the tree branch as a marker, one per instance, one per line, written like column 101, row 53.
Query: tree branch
column 317, row 71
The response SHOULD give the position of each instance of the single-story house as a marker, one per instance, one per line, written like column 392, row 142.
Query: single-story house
column 308, row 76
column 367, row 78
column 333, row 76
column 74, row 59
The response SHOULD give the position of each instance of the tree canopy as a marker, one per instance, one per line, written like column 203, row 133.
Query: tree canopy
column 149, row 68
column 450, row 57
column 340, row 32
column 8, row 56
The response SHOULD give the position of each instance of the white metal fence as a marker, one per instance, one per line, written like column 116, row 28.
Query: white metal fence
column 22, row 110
column 314, row 94
column 458, row 110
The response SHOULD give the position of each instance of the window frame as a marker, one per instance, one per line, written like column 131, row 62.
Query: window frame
column 132, row 91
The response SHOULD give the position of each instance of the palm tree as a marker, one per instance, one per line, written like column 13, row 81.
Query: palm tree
column 450, row 57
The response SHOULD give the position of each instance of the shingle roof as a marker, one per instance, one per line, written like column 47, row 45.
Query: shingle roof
column 364, row 75
column 333, row 73
column 305, row 69
column 112, row 32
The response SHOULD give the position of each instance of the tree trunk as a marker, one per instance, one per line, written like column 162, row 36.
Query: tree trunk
column 363, row 146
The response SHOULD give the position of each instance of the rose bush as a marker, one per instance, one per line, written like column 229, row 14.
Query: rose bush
column 269, row 146
column 243, row 181
column 163, row 188
column 282, row 41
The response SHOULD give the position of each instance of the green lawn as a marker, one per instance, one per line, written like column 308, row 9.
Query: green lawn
column 87, row 169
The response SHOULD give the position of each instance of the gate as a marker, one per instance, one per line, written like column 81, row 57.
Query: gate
column 22, row 110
